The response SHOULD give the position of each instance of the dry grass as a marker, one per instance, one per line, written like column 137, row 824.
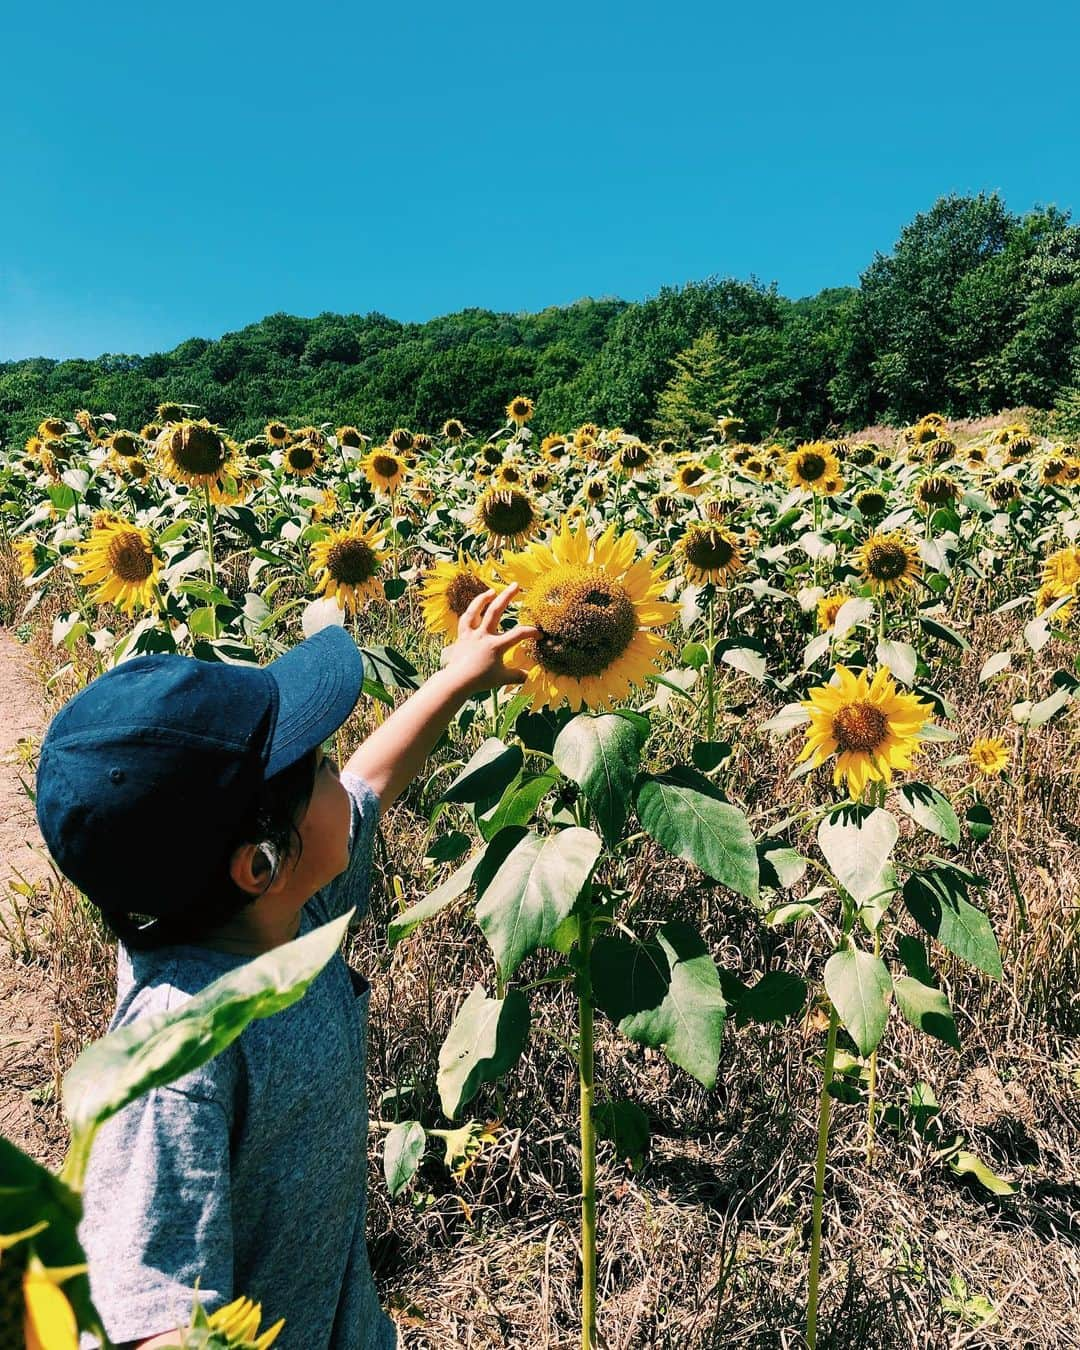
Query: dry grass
column 707, row 1244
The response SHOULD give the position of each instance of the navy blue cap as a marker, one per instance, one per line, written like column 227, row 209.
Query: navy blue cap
column 144, row 775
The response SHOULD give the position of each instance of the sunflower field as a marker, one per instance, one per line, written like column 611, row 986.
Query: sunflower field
column 783, row 812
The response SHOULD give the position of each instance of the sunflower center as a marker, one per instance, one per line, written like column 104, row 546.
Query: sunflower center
column 634, row 456
column 507, row 513
column 692, row 473
column 386, row 466
column 871, row 503
column 351, row 561
column 129, row 558
column 491, row 454
column 859, row 726
column 510, row 474
column 301, row 457
column 125, row 444
column 812, row 466
column 277, row 431
column 462, row 591
column 586, row 621
column 595, row 492
column 709, row 548
column 400, row 439
column 199, row 450
column 887, row 562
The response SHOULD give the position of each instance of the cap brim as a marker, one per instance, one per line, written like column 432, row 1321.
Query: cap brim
column 318, row 683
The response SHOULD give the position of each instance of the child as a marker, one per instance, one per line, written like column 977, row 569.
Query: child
column 198, row 793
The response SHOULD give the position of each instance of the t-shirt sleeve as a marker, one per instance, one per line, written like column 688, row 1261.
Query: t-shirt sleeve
column 157, row 1213
column 353, row 885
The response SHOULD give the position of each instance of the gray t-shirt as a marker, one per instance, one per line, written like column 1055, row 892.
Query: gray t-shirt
column 249, row 1173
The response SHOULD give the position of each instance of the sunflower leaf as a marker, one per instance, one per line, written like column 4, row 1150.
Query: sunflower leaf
column 857, row 843
column 685, row 813
column 402, row 1152
column 488, row 774
column 485, row 1040
column 859, row 986
column 601, row 755
column 935, row 898
column 931, row 809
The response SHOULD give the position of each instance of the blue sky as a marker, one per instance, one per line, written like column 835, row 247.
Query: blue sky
column 172, row 170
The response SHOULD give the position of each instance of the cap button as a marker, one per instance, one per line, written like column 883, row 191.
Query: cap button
column 116, row 775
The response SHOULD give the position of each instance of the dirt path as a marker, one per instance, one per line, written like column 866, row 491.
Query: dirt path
column 27, row 999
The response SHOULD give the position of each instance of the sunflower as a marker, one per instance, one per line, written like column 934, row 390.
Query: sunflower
column 594, row 606
column 691, row 478
column 454, row 429
column 84, row 420
column 236, row 482
column 449, row 588
column 52, row 429
column 124, row 443
column 926, row 429
column 30, row 553
column 120, row 560
column 756, row 467
column 36, row 1312
column 554, row 449
column 138, row 470
column 664, row 506
column 595, row 489
column 872, row 503
column 1053, row 469
column 170, row 412
column 586, row 434
column 520, row 409
column 975, row 458
column 1019, row 449
column 889, row 562
column 832, row 485
column 507, row 475
column 540, row 480
column 384, row 470
column 1062, row 567
column 346, row 564
column 313, row 435
column 491, row 456
column 870, row 726
column 277, row 433
column 33, row 446
column 883, row 460
column 828, row 607
column 237, row 1326
column 740, row 454
column 506, row 515
column 192, row 452
column 150, row 431
column 936, row 490
column 632, row 458
column 708, row 552
column 812, row 465
column 1050, row 591
column 939, row 451
column 300, row 459
column 726, row 426
column 990, row 755
column 863, row 454
column 1004, row 491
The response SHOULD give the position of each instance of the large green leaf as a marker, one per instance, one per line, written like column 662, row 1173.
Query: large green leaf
column 859, row 986
column 930, row 809
column 936, row 900
column 485, row 1039
column 601, row 754
column 857, row 843
column 665, row 994
column 926, row 1008
column 518, row 803
column 155, row 1050
column 777, row 996
column 402, row 1152
column 684, row 812
column 455, row 885
column 535, row 888
column 490, row 771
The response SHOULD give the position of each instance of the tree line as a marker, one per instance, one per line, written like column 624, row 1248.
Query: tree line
column 975, row 308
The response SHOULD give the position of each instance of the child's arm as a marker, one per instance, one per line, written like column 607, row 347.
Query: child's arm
column 394, row 753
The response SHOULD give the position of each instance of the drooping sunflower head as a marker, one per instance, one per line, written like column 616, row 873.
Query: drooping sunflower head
column 491, row 455
column 664, row 506
column 691, row 478
column 937, row 490
column 739, row 454
column 586, row 434
column 519, row 410
column 728, row 427
column 350, row 437
column 939, row 451
column 314, row 436
column 170, row 412
column 1053, row 470
column 454, row 430
column 125, row 443
column 192, row 452
column 119, row 560
column 449, row 588
column 346, row 564
column 989, row 755
column 926, row 429
column 384, row 469
column 889, row 562
column 300, row 458
column 277, row 433
column 1019, row 449
column 30, row 553
column 869, row 725
column 84, row 420
column 863, row 454
column 137, row 470
column 828, row 607
column 632, row 458
column 508, row 474
column 872, row 503
column 595, row 489
column 708, row 552
column 554, row 449
column 150, row 431
column 975, row 457
column 811, row 466
column 595, row 607
column 883, row 460
column 1004, row 491
column 666, row 446
column 52, row 429
column 540, row 479
column 507, row 516
column 237, row 482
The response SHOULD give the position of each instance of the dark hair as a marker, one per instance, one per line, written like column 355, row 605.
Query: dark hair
column 273, row 819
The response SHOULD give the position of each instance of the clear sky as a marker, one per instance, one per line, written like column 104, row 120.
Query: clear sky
column 170, row 170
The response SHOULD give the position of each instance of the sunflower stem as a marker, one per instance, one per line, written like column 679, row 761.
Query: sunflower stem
column 710, row 674
column 210, row 555
column 586, row 1077
column 871, row 1106
column 824, row 1113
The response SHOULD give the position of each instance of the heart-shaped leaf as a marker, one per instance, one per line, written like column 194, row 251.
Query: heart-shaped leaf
column 859, row 986
column 601, row 755
column 485, row 1040
column 684, row 812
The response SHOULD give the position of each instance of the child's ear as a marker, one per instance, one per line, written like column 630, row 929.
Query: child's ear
column 249, row 868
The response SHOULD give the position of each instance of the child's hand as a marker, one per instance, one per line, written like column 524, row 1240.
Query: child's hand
column 476, row 658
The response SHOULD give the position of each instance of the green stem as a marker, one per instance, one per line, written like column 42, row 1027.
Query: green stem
column 586, row 1071
column 210, row 552
column 871, row 1107
column 825, row 1110
column 710, row 676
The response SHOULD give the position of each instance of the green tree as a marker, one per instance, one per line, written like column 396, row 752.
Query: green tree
column 690, row 401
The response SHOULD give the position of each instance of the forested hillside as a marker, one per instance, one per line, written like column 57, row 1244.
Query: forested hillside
column 974, row 308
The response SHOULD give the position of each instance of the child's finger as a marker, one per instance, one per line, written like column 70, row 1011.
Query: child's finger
column 504, row 641
column 514, row 676
column 471, row 615
column 495, row 612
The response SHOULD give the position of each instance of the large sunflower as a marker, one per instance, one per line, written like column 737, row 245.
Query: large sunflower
column 708, row 552
column 384, row 469
column 519, row 410
column 125, row 443
column 351, row 438
column 192, row 452
column 454, row 429
column 872, row 503
column 829, row 606
column 346, row 563
column 812, row 466
column 937, row 489
column 889, row 562
column 1062, row 567
column 595, row 607
column 449, row 589
column 118, row 559
column 869, row 726
column 507, row 516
